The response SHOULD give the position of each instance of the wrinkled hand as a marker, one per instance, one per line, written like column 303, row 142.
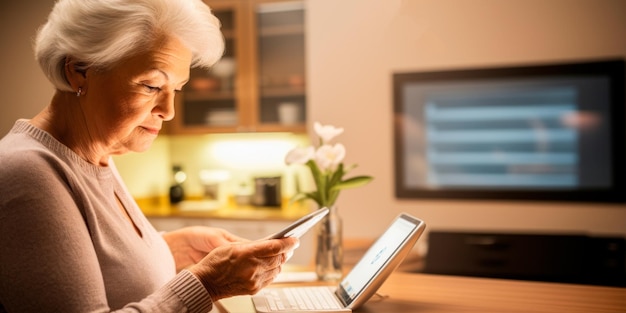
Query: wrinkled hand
column 243, row 268
column 189, row 245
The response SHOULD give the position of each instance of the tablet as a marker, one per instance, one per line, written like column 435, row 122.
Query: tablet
column 363, row 280
column 301, row 226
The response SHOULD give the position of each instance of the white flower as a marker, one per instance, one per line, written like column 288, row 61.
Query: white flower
column 326, row 132
column 299, row 155
column 328, row 157
column 326, row 167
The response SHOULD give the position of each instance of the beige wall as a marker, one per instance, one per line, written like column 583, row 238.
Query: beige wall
column 24, row 90
column 353, row 48
column 355, row 45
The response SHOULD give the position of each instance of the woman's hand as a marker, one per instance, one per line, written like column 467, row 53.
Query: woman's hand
column 243, row 268
column 189, row 245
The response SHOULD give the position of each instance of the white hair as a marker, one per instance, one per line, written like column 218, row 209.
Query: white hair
column 100, row 33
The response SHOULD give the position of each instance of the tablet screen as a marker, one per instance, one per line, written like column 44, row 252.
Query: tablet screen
column 376, row 258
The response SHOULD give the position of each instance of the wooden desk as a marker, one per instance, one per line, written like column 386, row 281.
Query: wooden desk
column 410, row 292
column 434, row 293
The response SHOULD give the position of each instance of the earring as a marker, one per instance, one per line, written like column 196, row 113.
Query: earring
column 79, row 92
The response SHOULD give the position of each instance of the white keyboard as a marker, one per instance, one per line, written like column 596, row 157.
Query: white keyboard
column 300, row 299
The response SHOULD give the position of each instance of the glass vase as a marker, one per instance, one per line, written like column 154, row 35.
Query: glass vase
column 329, row 252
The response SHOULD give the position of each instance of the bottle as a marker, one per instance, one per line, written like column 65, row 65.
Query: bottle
column 177, row 193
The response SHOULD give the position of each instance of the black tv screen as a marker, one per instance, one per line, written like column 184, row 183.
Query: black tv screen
column 538, row 132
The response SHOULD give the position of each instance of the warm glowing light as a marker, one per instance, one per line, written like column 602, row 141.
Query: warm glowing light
column 251, row 152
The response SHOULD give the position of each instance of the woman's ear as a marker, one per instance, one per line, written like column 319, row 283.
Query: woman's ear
column 75, row 73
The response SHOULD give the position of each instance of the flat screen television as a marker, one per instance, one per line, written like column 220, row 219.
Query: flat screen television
column 535, row 132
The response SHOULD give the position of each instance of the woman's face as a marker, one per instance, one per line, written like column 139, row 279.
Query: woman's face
column 127, row 104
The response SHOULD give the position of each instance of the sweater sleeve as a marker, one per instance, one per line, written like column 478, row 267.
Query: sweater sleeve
column 187, row 290
column 47, row 260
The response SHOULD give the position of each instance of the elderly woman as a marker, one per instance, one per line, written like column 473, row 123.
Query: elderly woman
column 72, row 239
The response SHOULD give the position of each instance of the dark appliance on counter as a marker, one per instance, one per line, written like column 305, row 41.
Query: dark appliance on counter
column 267, row 191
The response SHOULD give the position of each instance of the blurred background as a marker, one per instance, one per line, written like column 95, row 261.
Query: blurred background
column 290, row 64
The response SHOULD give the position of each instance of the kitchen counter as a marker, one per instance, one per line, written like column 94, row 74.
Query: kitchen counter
column 159, row 207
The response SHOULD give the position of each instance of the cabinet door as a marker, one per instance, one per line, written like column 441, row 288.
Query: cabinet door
column 279, row 97
column 258, row 85
column 249, row 229
column 211, row 101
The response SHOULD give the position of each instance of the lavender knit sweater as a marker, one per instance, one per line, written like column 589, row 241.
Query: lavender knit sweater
column 66, row 247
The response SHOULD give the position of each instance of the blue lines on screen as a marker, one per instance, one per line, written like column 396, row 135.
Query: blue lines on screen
column 502, row 139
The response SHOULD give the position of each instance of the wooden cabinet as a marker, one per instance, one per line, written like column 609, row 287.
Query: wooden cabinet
column 259, row 84
column 250, row 229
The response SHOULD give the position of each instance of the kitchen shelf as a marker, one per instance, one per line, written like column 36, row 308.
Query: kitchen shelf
column 282, row 31
column 209, row 95
column 265, row 39
column 282, row 91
